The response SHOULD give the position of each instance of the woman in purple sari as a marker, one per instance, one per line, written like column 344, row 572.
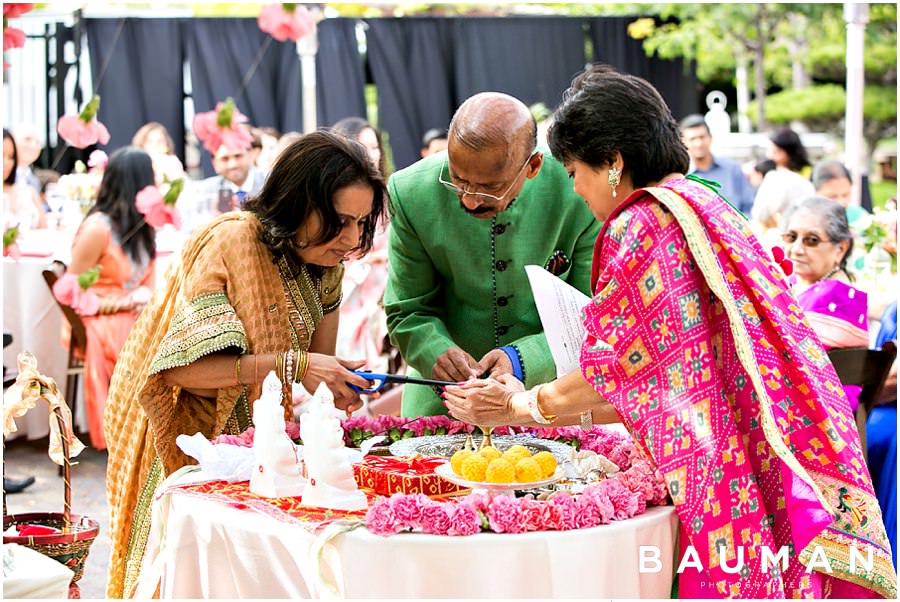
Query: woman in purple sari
column 818, row 241
column 695, row 343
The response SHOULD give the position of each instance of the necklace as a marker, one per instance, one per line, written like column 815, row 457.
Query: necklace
column 833, row 271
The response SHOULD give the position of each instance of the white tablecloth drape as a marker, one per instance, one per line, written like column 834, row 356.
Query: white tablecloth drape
column 30, row 574
column 204, row 549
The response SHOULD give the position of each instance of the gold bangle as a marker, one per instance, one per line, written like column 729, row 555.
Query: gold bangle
column 237, row 370
column 302, row 366
column 255, row 368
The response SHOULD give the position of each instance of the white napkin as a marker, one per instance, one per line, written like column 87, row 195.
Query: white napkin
column 231, row 463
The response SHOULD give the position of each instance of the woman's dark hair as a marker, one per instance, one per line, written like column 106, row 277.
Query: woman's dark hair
column 789, row 141
column 764, row 166
column 128, row 172
column 11, row 178
column 604, row 112
column 350, row 127
column 303, row 181
column 834, row 220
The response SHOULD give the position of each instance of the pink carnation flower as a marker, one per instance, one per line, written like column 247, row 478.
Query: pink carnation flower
column 284, row 23
column 505, row 515
column 464, row 520
column 434, row 518
column 625, row 502
column 380, row 518
column 292, row 429
column 599, row 500
column 12, row 37
column 11, row 10
column 567, row 510
column 407, row 508
column 157, row 212
column 98, row 160
column 478, row 501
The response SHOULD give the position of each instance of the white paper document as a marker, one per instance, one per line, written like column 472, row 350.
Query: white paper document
column 559, row 305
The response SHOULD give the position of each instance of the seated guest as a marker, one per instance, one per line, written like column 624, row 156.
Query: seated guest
column 268, row 147
column 21, row 203
column 831, row 180
column 154, row 139
column 115, row 237
column 255, row 291
column 236, row 181
column 735, row 187
column 434, row 141
column 881, row 436
column 818, row 241
column 694, row 342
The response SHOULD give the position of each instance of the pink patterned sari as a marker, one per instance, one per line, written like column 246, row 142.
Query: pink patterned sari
column 719, row 377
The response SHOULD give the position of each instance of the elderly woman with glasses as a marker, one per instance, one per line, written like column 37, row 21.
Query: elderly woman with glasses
column 818, row 241
column 464, row 224
column 693, row 341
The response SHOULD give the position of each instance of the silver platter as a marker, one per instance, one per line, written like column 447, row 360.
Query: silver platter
column 444, row 446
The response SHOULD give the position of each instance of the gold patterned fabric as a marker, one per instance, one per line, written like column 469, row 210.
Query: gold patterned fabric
column 227, row 294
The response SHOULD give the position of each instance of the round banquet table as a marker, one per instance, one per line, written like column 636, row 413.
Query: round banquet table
column 207, row 549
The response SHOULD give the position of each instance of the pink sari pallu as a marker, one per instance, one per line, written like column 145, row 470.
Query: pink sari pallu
column 719, row 377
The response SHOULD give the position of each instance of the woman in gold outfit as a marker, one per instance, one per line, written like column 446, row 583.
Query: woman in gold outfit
column 255, row 291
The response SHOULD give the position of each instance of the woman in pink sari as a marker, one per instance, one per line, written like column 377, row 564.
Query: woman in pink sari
column 695, row 343
column 115, row 238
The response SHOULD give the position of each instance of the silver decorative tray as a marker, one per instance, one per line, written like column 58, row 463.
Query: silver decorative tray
column 444, row 446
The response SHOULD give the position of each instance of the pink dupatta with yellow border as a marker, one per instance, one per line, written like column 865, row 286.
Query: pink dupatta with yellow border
column 719, row 377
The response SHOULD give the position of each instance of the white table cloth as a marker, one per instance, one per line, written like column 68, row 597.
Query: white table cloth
column 210, row 550
column 30, row 574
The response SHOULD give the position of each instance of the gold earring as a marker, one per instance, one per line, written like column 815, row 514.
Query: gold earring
column 613, row 178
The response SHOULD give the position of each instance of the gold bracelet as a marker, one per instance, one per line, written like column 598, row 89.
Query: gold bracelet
column 237, row 370
column 302, row 366
column 279, row 365
column 255, row 368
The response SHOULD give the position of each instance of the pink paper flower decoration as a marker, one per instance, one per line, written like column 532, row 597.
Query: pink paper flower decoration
column 286, row 21
column 222, row 126
column 10, row 246
column 84, row 129
column 69, row 291
column 13, row 37
column 157, row 212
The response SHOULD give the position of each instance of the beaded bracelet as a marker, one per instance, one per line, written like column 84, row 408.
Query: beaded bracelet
column 289, row 367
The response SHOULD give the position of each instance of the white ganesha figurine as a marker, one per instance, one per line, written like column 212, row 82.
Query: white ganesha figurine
column 328, row 468
column 278, row 471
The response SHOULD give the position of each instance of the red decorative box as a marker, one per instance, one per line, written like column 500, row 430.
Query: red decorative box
column 386, row 476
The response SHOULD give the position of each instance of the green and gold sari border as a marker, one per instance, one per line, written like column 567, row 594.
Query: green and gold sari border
column 706, row 259
column 210, row 340
column 838, row 557
column 140, row 528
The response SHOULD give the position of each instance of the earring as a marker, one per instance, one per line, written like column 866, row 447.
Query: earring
column 613, row 179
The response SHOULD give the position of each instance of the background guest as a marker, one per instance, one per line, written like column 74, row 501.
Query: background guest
column 154, row 139
column 29, row 147
column 268, row 147
column 236, row 179
column 434, row 141
column 735, row 188
column 785, row 184
column 832, row 180
column 115, row 237
column 758, row 171
column 357, row 128
column 818, row 241
column 21, row 203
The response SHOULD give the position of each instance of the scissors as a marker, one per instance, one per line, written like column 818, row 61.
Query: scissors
column 381, row 380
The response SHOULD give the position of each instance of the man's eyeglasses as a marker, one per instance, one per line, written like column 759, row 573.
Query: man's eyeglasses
column 460, row 191
column 810, row 240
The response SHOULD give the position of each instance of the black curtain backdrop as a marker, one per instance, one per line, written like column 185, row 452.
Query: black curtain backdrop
column 612, row 45
column 531, row 58
column 136, row 67
column 222, row 54
column 340, row 73
column 412, row 66
column 423, row 68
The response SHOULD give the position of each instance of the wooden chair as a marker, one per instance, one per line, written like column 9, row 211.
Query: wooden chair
column 866, row 368
column 77, row 338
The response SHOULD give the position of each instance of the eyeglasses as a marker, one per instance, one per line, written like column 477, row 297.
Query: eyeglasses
column 460, row 191
column 810, row 240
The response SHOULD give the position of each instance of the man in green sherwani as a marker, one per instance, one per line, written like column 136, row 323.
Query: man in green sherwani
column 464, row 224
